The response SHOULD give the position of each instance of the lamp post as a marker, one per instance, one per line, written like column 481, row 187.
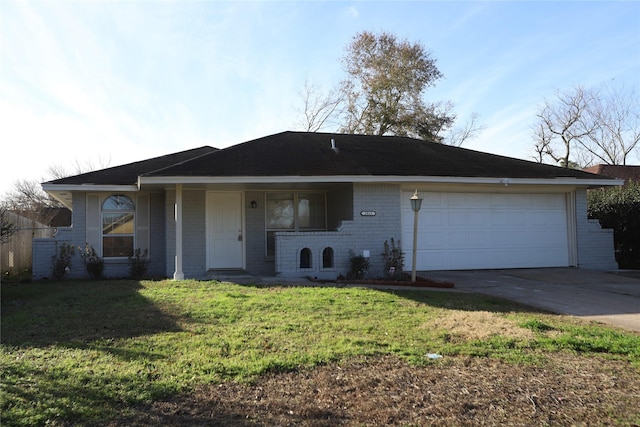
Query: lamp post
column 416, row 203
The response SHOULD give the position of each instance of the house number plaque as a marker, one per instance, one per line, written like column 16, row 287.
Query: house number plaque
column 368, row 213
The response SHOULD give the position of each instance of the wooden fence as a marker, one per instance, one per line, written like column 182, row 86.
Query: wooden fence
column 16, row 253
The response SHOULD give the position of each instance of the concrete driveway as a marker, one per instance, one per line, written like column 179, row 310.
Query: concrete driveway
column 612, row 298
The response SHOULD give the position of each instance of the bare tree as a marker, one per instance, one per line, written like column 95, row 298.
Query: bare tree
column 614, row 121
column 582, row 126
column 458, row 135
column 7, row 228
column 561, row 124
column 318, row 108
column 27, row 198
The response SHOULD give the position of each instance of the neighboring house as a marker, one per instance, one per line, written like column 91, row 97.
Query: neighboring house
column 298, row 204
column 616, row 171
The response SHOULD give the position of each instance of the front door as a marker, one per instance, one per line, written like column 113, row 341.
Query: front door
column 224, row 230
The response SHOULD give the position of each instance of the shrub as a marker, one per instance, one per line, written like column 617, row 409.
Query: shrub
column 138, row 264
column 619, row 208
column 61, row 260
column 393, row 258
column 93, row 263
column 359, row 266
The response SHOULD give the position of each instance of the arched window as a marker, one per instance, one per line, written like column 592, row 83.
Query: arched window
column 327, row 258
column 118, row 225
column 305, row 258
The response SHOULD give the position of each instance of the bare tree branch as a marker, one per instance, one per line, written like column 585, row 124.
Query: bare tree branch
column 318, row 108
column 461, row 134
column 600, row 125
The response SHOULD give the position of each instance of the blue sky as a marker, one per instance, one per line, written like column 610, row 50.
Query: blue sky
column 115, row 82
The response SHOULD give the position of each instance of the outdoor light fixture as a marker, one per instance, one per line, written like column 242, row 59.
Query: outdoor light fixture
column 254, row 204
column 416, row 204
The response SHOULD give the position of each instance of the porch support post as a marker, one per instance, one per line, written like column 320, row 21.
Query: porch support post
column 178, row 273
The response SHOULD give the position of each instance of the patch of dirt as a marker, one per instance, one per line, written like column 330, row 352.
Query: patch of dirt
column 568, row 390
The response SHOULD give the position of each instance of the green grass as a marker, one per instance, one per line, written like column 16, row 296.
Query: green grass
column 81, row 352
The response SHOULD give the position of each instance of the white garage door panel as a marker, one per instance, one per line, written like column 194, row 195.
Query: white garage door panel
column 487, row 230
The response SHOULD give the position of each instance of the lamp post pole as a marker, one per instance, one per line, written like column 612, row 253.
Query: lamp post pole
column 416, row 203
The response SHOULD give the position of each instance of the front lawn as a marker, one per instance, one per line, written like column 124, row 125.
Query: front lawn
column 119, row 351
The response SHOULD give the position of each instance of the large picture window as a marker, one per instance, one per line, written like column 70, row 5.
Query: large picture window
column 118, row 225
column 289, row 211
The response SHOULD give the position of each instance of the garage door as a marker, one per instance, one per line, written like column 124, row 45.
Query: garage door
column 458, row 231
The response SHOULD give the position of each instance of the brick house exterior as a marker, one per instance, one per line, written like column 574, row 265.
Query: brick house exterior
column 298, row 204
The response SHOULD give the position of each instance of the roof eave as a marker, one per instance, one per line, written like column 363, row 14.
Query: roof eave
column 62, row 192
column 376, row 179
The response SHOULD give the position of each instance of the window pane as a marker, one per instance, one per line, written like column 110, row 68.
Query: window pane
column 117, row 223
column 117, row 246
column 311, row 210
column 118, row 203
column 280, row 210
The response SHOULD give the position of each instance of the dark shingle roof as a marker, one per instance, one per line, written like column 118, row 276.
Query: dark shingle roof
column 625, row 172
column 310, row 154
column 128, row 174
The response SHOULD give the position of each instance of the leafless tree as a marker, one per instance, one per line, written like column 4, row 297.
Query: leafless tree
column 457, row 135
column 561, row 125
column 27, row 198
column 585, row 126
column 614, row 117
column 7, row 228
column 318, row 108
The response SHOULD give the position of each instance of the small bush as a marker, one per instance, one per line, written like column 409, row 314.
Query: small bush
column 92, row 261
column 61, row 260
column 393, row 258
column 138, row 264
column 359, row 266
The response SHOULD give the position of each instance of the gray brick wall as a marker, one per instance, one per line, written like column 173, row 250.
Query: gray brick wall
column 170, row 232
column 363, row 233
column 194, row 241
column 157, row 234
column 290, row 244
column 595, row 245
column 254, row 235
column 44, row 249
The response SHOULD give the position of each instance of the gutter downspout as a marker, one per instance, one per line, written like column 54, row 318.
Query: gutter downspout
column 178, row 273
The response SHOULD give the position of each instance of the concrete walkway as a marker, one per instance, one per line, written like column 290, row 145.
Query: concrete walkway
column 612, row 298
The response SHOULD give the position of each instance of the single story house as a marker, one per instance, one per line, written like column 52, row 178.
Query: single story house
column 298, row 204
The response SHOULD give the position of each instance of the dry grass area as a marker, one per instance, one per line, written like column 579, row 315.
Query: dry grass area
column 478, row 325
column 568, row 391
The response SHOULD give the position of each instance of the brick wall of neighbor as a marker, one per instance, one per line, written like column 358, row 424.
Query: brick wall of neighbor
column 596, row 249
column 363, row 233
